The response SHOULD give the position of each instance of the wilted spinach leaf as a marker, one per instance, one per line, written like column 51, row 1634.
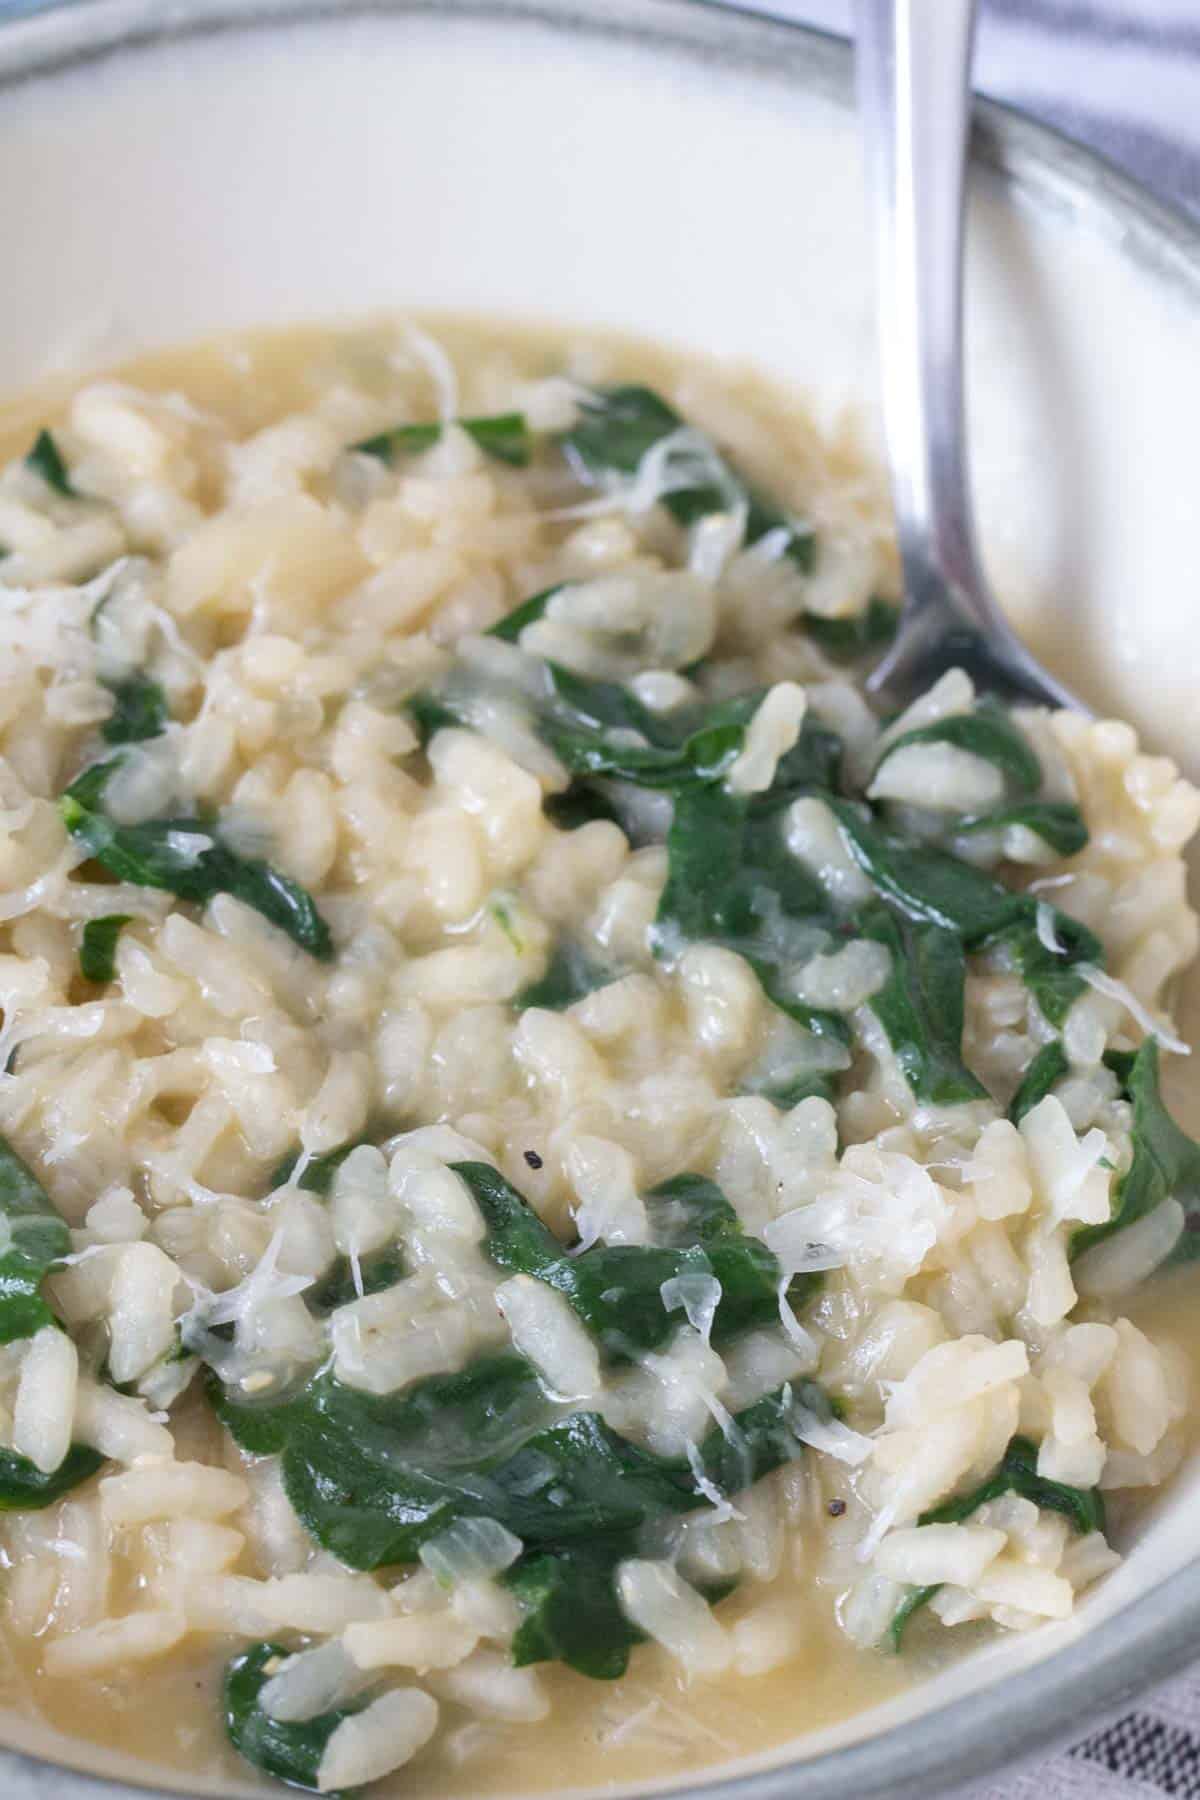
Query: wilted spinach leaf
column 915, row 1599
column 921, row 1005
column 318, row 1172
column 691, row 1209
column 45, row 459
column 1058, row 823
column 24, row 1487
column 856, row 635
column 570, row 1609
column 98, row 946
column 337, row 1286
column 186, row 857
column 260, row 1423
column 616, row 1290
column 689, row 745
column 506, row 436
column 571, row 1612
column 1050, row 976
column 1016, row 1473
column 1165, row 1166
column 570, row 974
column 529, row 612
column 1048, row 1067
column 684, row 747
column 139, row 711
column 731, row 880
column 34, row 1239
column 618, row 426
column 932, row 887
column 373, row 1478
column 581, row 804
column 290, row 1751
column 987, row 732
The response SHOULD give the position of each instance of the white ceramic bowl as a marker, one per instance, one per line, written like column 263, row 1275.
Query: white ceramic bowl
column 675, row 169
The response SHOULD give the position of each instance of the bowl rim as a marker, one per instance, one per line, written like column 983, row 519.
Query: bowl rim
column 1012, row 1719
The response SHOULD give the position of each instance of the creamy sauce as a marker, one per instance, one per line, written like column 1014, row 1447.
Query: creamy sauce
column 645, row 1727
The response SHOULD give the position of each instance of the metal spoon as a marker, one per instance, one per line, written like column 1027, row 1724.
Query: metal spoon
column 914, row 66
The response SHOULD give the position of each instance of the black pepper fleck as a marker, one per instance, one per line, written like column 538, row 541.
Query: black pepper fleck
column 836, row 1508
column 533, row 1159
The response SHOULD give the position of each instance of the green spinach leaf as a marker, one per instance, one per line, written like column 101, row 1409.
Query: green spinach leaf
column 570, row 1609
column 45, row 459
column 1050, row 976
column 921, row 1006
column 1048, row 1067
column 319, row 1171
column 260, row 1423
column 187, row 858
column 603, row 733
column 616, row 1290
column 373, row 1478
column 682, row 748
column 929, row 886
column 337, row 1286
column 1057, row 822
column 690, row 1212
column 1165, row 1165
column 570, row 974
column 618, row 426
column 432, row 712
column 291, row 1752
column 731, row 880
column 1016, row 1473
column 580, row 805
column 25, row 1488
column 529, row 612
column 139, row 710
column 34, row 1239
column 505, row 436
column 912, row 1603
column 691, row 1209
column 98, row 946
column 857, row 635
column 987, row 732
column 689, row 745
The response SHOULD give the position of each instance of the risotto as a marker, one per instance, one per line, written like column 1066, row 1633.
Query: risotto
column 560, row 1175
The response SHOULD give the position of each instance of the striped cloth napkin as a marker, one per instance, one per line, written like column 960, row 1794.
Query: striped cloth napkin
column 1120, row 75
column 1142, row 1755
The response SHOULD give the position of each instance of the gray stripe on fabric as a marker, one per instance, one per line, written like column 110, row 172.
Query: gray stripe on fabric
column 1106, row 25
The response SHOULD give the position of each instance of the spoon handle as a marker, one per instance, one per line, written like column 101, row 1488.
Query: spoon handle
column 914, row 59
